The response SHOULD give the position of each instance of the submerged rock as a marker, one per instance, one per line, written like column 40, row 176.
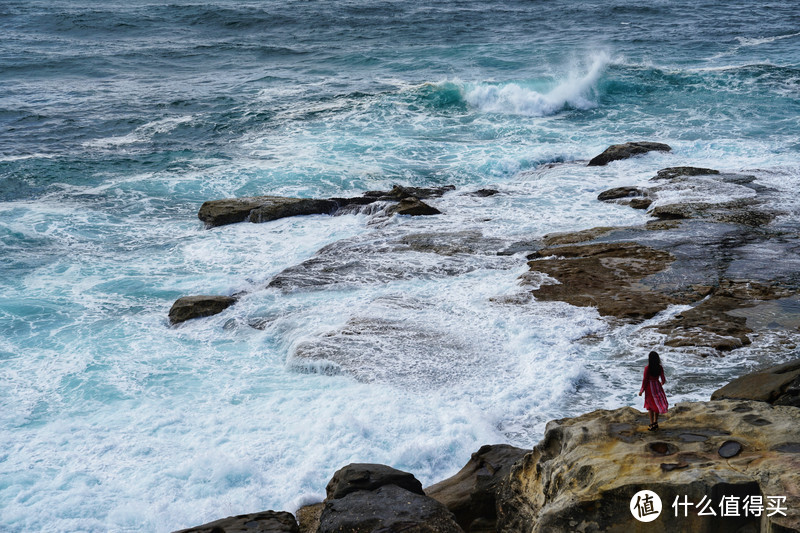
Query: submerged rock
column 471, row 494
column 778, row 385
column 583, row 475
column 189, row 307
column 264, row 522
column 624, row 151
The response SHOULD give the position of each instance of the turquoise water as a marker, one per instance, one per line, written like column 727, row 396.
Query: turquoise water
column 119, row 120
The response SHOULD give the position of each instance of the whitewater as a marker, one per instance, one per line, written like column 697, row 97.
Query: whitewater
column 118, row 121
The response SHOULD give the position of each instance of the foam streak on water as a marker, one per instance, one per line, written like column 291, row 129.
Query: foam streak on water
column 405, row 341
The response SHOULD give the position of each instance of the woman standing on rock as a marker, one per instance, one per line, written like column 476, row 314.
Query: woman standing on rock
column 655, row 401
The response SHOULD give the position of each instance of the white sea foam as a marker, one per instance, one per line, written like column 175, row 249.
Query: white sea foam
column 756, row 41
column 576, row 91
column 143, row 133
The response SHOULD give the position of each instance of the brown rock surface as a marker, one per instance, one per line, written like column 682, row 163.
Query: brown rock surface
column 264, row 522
column 308, row 517
column 608, row 276
column 778, row 385
column 471, row 494
column 584, row 473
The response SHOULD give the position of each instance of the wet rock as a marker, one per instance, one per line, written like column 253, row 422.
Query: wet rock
column 672, row 173
column 412, row 206
column 621, row 192
column 264, row 522
column 640, row 203
column 261, row 209
column 471, row 494
column 608, row 276
column 574, row 237
column 745, row 212
column 581, row 476
column 398, row 192
column 778, row 385
column 483, row 193
column 708, row 324
column 624, row 151
column 189, row 307
column 268, row 208
column 366, row 476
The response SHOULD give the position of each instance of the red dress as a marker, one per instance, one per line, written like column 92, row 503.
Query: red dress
column 654, row 397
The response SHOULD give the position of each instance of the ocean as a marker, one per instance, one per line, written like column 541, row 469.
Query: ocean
column 119, row 119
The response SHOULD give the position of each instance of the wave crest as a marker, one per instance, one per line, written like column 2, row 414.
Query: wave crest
column 577, row 92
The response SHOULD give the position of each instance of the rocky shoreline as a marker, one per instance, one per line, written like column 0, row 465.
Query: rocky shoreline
column 742, row 446
column 704, row 258
column 695, row 252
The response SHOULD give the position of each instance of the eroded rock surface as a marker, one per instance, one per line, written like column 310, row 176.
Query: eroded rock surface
column 583, row 474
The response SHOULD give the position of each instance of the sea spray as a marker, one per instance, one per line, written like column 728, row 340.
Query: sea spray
column 577, row 91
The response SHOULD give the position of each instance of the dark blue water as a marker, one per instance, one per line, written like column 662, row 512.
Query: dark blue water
column 118, row 119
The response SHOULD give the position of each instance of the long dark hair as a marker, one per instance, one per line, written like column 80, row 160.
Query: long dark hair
column 653, row 365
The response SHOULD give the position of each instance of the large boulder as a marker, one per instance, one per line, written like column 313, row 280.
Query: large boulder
column 387, row 509
column 368, row 476
column 471, row 494
column 778, row 385
column 189, row 307
column 264, row 522
column 365, row 498
column 624, row 151
column 586, row 471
